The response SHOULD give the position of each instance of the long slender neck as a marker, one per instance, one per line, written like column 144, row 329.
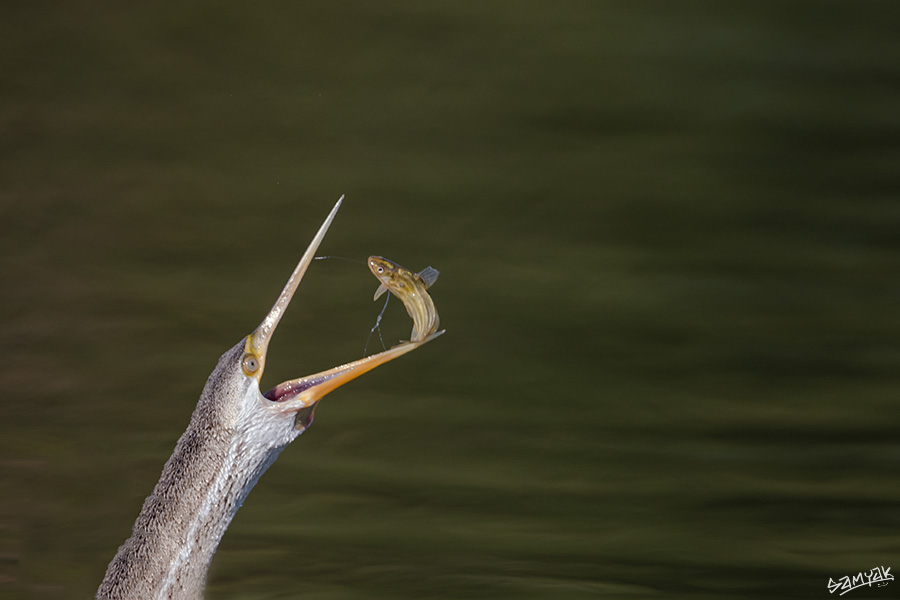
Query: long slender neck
column 214, row 466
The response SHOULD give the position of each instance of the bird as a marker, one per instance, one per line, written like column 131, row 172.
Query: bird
column 235, row 433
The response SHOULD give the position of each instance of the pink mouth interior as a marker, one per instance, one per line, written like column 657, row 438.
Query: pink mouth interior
column 293, row 388
column 289, row 389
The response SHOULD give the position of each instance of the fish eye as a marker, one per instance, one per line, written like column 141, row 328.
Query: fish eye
column 250, row 364
column 380, row 270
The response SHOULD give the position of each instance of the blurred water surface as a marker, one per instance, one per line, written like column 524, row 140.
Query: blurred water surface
column 668, row 238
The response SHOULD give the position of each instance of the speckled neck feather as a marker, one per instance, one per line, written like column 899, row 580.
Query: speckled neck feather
column 225, row 449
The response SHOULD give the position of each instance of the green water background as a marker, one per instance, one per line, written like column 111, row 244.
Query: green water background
column 669, row 238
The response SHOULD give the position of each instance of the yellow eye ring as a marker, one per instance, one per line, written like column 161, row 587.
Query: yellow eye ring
column 250, row 364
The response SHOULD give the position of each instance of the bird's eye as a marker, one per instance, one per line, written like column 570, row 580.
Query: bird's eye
column 250, row 364
column 380, row 270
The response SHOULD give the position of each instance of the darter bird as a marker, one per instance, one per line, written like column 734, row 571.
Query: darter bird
column 235, row 433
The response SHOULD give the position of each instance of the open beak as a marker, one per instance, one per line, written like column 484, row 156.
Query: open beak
column 304, row 392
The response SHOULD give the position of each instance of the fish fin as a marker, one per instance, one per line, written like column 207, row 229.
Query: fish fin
column 381, row 289
column 422, row 341
column 429, row 275
column 434, row 335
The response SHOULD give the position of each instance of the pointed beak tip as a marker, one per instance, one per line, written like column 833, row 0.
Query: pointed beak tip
column 259, row 339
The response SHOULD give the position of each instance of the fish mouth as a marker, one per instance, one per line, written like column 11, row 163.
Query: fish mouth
column 304, row 392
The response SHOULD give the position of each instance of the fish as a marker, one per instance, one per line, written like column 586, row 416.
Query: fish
column 412, row 289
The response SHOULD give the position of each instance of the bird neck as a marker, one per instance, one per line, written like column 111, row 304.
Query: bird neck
column 216, row 463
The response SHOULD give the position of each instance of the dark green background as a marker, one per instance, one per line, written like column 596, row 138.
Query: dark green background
column 669, row 238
